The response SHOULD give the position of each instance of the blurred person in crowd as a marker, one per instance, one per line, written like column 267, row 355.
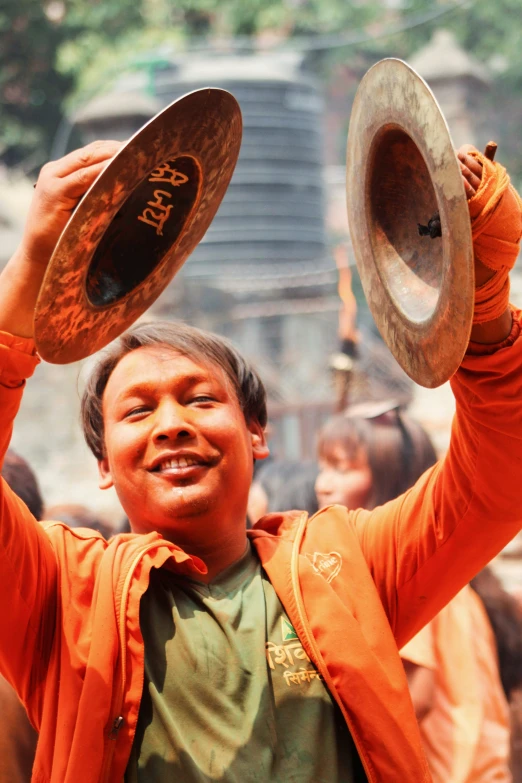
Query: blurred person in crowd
column 452, row 667
column 505, row 616
column 464, row 668
column 17, row 737
column 342, row 362
column 22, row 480
column 76, row 515
column 283, row 486
column 189, row 650
column 369, row 455
column 123, row 526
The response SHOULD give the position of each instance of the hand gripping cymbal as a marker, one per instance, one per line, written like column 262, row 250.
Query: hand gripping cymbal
column 401, row 170
column 137, row 224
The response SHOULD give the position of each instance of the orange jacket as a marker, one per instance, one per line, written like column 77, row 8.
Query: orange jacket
column 352, row 583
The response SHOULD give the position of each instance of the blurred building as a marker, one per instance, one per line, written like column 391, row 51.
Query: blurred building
column 458, row 81
column 263, row 275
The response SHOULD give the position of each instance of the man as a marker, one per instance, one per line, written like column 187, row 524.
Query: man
column 183, row 653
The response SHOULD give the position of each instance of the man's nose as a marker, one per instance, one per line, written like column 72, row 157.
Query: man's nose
column 172, row 421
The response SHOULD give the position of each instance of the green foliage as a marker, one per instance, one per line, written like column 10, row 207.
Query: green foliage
column 490, row 32
column 32, row 87
column 487, row 30
column 55, row 50
column 293, row 17
column 203, row 23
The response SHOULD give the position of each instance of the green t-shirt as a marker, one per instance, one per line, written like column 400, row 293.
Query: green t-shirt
column 229, row 693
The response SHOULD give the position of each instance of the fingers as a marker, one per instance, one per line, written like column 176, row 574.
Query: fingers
column 97, row 152
column 471, row 170
column 60, row 186
column 465, row 149
column 66, row 180
column 474, row 165
column 76, row 184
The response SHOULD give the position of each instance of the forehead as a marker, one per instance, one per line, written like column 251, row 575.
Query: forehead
column 337, row 450
column 158, row 365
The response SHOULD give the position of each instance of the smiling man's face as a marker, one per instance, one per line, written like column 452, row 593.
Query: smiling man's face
column 178, row 449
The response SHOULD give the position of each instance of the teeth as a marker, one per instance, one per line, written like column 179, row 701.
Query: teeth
column 179, row 462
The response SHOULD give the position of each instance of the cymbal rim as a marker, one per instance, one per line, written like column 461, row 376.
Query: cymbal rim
column 204, row 124
column 431, row 348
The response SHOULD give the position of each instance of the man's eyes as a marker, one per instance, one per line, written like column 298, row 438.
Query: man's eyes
column 136, row 411
column 196, row 399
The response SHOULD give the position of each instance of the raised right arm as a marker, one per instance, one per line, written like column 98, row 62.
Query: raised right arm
column 28, row 569
column 27, row 566
column 60, row 186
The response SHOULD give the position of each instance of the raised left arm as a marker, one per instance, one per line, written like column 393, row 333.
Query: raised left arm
column 423, row 547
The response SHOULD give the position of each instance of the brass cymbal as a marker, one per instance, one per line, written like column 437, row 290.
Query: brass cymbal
column 401, row 170
column 137, row 224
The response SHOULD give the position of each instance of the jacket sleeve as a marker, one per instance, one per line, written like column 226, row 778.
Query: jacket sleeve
column 27, row 562
column 423, row 547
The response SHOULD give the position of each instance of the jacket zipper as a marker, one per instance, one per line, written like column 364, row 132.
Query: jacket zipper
column 119, row 720
column 313, row 645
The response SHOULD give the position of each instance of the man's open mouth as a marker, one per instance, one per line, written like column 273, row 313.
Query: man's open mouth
column 177, row 463
column 181, row 464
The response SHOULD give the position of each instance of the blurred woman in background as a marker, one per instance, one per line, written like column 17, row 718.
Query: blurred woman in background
column 370, row 454
column 367, row 456
column 283, row 486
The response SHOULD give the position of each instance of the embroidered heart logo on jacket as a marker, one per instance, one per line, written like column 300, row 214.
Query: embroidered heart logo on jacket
column 327, row 566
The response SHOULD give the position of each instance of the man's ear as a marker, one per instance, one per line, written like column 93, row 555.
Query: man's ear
column 105, row 474
column 260, row 448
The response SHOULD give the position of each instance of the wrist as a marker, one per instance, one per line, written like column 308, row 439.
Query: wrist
column 491, row 299
column 494, row 331
column 27, row 259
column 20, row 283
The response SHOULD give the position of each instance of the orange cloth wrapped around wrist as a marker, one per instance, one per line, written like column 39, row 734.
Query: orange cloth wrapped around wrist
column 496, row 226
